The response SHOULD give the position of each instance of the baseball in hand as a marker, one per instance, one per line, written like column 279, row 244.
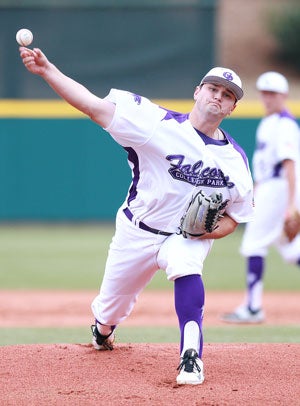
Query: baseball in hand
column 24, row 37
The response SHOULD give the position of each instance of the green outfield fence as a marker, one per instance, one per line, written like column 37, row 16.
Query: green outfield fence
column 140, row 45
column 57, row 165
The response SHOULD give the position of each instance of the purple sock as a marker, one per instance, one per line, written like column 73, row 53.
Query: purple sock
column 256, row 269
column 189, row 304
column 255, row 272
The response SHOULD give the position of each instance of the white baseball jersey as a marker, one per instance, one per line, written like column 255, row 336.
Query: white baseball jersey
column 169, row 159
column 277, row 139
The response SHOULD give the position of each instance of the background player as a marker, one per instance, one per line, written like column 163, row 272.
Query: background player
column 171, row 155
column 276, row 170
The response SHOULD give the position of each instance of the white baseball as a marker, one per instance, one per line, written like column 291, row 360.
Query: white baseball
column 24, row 37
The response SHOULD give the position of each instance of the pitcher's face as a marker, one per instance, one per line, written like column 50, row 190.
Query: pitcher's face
column 215, row 99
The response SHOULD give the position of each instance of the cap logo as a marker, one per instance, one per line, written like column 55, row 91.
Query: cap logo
column 228, row 76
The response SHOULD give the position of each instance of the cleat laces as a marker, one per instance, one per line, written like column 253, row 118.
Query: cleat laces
column 213, row 215
column 101, row 339
column 189, row 362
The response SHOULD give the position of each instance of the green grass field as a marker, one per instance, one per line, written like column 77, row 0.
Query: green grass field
column 72, row 257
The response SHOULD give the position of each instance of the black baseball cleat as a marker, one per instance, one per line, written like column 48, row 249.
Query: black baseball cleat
column 191, row 369
column 101, row 342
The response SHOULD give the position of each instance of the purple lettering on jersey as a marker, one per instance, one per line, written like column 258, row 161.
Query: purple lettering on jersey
column 197, row 174
column 137, row 98
column 181, row 117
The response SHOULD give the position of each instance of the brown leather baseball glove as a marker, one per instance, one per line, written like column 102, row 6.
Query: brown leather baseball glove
column 292, row 226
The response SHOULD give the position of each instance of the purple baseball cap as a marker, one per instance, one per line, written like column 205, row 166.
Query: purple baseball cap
column 226, row 77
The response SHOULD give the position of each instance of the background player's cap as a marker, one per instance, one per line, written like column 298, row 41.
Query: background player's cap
column 272, row 82
column 225, row 77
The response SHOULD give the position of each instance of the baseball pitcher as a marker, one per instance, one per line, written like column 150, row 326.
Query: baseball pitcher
column 190, row 185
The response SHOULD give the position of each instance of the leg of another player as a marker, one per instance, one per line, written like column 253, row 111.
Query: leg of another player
column 255, row 273
column 251, row 311
column 189, row 305
column 290, row 252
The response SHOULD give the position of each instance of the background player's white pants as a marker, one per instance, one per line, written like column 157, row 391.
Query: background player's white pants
column 134, row 257
column 266, row 228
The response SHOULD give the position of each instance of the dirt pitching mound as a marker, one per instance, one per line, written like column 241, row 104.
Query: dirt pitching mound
column 72, row 308
column 145, row 374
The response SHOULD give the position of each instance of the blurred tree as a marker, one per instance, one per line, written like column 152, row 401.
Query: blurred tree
column 285, row 26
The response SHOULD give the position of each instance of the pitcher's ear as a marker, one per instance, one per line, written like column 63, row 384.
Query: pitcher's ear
column 196, row 91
